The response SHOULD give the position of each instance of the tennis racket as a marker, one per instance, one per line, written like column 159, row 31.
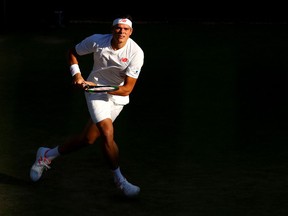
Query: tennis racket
column 97, row 89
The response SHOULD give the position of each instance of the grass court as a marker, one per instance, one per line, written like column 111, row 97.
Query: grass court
column 205, row 133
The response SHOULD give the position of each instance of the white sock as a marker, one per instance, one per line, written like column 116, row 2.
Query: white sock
column 52, row 153
column 118, row 177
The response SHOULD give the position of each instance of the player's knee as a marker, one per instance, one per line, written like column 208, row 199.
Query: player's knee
column 87, row 141
column 90, row 141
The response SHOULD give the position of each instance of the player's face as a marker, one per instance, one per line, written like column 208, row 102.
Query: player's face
column 121, row 32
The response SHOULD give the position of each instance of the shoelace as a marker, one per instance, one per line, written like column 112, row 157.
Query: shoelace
column 44, row 162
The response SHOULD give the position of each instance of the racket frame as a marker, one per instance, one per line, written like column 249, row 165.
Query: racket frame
column 98, row 89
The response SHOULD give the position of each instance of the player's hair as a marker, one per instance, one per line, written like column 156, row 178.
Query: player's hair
column 126, row 16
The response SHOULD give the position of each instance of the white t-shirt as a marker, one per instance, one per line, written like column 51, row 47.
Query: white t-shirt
column 111, row 66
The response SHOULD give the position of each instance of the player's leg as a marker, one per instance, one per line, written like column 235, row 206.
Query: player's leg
column 45, row 155
column 111, row 151
column 88, row 137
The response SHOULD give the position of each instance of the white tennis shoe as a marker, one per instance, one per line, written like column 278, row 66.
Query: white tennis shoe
column 127, row 188
column 41, row 164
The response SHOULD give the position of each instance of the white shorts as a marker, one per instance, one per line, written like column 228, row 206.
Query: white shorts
column 101, row 106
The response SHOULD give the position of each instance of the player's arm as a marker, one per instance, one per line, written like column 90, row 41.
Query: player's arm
column 127, row 88
column 77, row 78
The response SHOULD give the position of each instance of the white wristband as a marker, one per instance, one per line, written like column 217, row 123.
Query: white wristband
column 74, row 69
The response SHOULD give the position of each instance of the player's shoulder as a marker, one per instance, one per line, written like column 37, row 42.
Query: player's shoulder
column 135, row 46
column 100, row 39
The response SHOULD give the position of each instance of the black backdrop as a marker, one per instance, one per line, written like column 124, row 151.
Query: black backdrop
column 33, row 13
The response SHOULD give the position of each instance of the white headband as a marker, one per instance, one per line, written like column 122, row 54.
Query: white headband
column 122, row 21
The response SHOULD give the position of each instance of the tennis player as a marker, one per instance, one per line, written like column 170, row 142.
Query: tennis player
column 118, row 60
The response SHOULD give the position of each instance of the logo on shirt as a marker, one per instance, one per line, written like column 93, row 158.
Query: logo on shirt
column 124, row 60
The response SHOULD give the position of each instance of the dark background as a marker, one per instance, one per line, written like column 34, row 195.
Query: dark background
column 225, row 152
column 33, row 13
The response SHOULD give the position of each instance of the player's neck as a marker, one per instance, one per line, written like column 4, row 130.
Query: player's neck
column 116, row 45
